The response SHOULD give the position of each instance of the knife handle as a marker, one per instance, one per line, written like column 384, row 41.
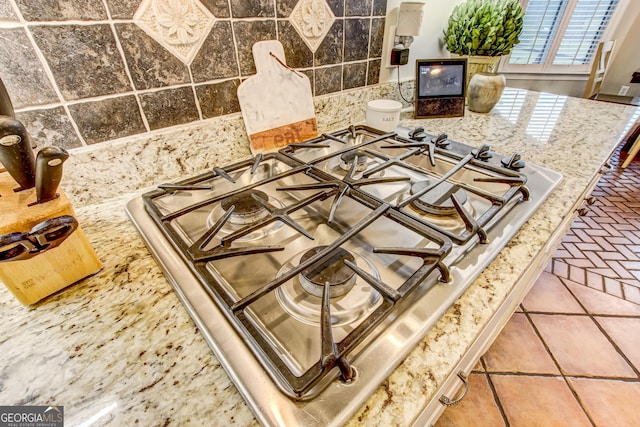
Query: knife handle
column 16, row 154
column 47, row 235
column 6, row 107
column 49, row 172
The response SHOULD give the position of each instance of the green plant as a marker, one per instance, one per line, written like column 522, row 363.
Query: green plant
column 484, row 27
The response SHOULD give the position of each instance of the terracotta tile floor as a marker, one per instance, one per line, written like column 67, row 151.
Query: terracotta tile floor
column 570, row 356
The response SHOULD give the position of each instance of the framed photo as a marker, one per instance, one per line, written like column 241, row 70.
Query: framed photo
column 440, row 87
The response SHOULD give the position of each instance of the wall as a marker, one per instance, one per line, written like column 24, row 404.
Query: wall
column 82, row 72
column 560, row 86
column 626, row 56
column 428, row 45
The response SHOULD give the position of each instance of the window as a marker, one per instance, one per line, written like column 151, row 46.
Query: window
column 560, row 35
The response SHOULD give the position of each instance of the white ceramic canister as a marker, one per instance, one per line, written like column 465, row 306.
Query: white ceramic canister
column 383, row 114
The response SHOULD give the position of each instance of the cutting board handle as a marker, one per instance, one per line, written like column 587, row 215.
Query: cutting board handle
column 263, row 56
column 271, row 62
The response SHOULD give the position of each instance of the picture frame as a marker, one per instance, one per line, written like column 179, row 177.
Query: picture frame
column 440, row 87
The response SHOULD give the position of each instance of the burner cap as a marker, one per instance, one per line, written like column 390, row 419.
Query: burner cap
column 247, row 209
column 437, row 201
column 333, row 270
column 244, row 202
column 346, row 160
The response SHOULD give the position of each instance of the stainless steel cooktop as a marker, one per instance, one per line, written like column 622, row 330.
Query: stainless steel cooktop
column 312, row 272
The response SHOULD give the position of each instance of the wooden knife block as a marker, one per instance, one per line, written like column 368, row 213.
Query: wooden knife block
column 33, row 279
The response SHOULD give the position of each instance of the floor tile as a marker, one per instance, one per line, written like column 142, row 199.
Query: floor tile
column 625, row 332
column 560, row 268
column 595, row 281
column 609, row 402
column 477, row 409
column 578, row 274
column 549, row 295
column 579, row 347
column 581, row 263
column 613, row 287
column 534, row 401
column 603, row 280
column 600, row 303
column 599, row 249
column 519, row 349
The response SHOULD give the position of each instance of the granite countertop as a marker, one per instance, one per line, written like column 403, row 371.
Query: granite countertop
column 118, row 348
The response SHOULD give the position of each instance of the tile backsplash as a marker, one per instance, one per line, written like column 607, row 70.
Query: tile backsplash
column 82, row 72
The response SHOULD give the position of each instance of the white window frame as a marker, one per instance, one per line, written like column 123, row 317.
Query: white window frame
column 549, row 67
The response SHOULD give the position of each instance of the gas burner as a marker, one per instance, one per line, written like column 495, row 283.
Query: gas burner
column 248, row 208
column 438, row 201
column 437, row 208
column 334, row 271
column 347, row 159
column 352, row 298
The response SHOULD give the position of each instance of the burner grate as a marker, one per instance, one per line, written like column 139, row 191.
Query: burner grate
column 310, row 197
column 310, row 350
column 436, row 159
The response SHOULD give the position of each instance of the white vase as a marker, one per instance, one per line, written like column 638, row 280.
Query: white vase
column 479, row 64
column 484, row 91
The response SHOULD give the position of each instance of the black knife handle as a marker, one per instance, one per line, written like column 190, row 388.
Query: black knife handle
column 16, row 247
column 49, row 172
column 16, row 154
column 52, row 232
column 47, row 235
column 6, row 107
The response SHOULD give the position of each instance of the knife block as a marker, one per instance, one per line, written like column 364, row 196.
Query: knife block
column 32, row 279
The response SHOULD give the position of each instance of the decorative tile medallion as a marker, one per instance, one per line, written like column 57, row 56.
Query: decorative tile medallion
column 312, row 19
column 180, row 26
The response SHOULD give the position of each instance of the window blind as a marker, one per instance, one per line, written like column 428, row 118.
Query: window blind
column 541, row 21
column 580, row 25
column 585, row 30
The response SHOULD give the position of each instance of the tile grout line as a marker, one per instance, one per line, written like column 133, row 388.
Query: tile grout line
column 614, row 316
column 127, row 69
column 555, row 361
column 607, row 189
column 496, row 398
column 606, row 335
column 620, row 280
column 42, row 60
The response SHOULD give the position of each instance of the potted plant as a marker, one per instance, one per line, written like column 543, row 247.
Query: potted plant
column 484, row 30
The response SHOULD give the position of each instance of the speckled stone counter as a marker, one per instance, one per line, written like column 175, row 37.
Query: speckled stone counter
column 119, row 349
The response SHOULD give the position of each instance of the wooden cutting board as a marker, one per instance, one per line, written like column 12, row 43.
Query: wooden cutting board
column 276, row 103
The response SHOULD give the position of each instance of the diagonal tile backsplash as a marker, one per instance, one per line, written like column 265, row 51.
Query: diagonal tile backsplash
column 83, row 72
column 180, row 26
column 312, row 20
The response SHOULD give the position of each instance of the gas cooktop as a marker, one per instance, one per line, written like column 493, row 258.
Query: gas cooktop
column 313, row 271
